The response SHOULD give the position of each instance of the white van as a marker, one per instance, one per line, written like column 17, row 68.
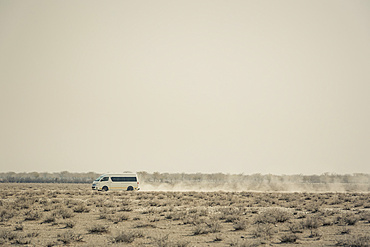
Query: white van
column 123, row 181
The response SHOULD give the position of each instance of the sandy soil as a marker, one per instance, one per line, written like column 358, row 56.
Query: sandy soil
column 73, row 214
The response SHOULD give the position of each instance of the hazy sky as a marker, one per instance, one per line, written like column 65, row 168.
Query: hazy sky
column 279, row 87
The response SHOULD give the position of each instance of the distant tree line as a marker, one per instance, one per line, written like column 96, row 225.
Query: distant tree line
column 45, row 177
column 194, row 178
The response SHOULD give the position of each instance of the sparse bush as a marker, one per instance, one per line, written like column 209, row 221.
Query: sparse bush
column 33, row 215
column 6, row 234
column 162, row 241
column 21, row 239
column 145, row 225
column 49, row 219
column 240, row 225
column 246, row 243
column 231, row 218
column 175, row 215
column 273, row 216
column 181, row 243
column 365, row 215
column 316, row 233
column 125, row 209
column 328, row 221
column 104, row 213
column 69, row 237
column 218, row 238
column 288, row 238
column 69, row 224
column 109, row 204
column 313, row 207
column 6, row 214
column 98, row 229
column 116, row 218
column 344, row 230
column 295, row 227
column 200, row 229
column 214, row 226
column 264, row 231
column 81, row 208
column 64, row 213
column 125, row 236
column 51, row 244
column 311, row 222
column 18, row 227
column 354, row 241
column 348, row 219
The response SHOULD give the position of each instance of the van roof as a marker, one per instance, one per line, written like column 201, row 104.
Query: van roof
column 119, row 174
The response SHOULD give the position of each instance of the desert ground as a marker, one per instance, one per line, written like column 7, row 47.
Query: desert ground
column 74, row 215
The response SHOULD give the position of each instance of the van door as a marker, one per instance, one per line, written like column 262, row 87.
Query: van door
column 105, row 183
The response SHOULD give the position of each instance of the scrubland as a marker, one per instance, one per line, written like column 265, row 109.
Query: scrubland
column 73, row 214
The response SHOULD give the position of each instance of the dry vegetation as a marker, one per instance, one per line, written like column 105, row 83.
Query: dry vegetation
column 73, row 214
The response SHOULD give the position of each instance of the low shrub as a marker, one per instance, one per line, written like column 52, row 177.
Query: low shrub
column 33, row 215
column 21, row 239
column 81, row 208
column 288, row 238
column 119, row 217
column 273, row 216
column 214, row 226
column 295, row 227
column 64, row 213
column 354, row 241
column 6, row 214
column 145, row 225
column 69, row 237
column 240, row 225
column 264, row 231
column 162, row 241
column 69, row 224
column 49, row 219
column 218, row 238
column 6, row 234
column 246, row 243
column 200, row 229
column 98, row 229
column 18, row 227
column 349, row 219
column 125, row 236
column 125, row 209
column 311, row 222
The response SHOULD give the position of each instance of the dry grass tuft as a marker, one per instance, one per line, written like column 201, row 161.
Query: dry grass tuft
column 289, row 238
column 358, row 240
column 98, row 229
column 125, row 236
column 33, row 215
column 264, row 231
column 81, row 208
column 69, row 237
column 240, row 225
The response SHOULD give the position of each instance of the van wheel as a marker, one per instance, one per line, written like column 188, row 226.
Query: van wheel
column 130, row 188
column 105, row 188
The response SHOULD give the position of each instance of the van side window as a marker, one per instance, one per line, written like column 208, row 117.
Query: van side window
column 124, row 179
column 104, row 179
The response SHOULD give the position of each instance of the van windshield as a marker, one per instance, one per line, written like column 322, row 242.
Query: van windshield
column 99, row 178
